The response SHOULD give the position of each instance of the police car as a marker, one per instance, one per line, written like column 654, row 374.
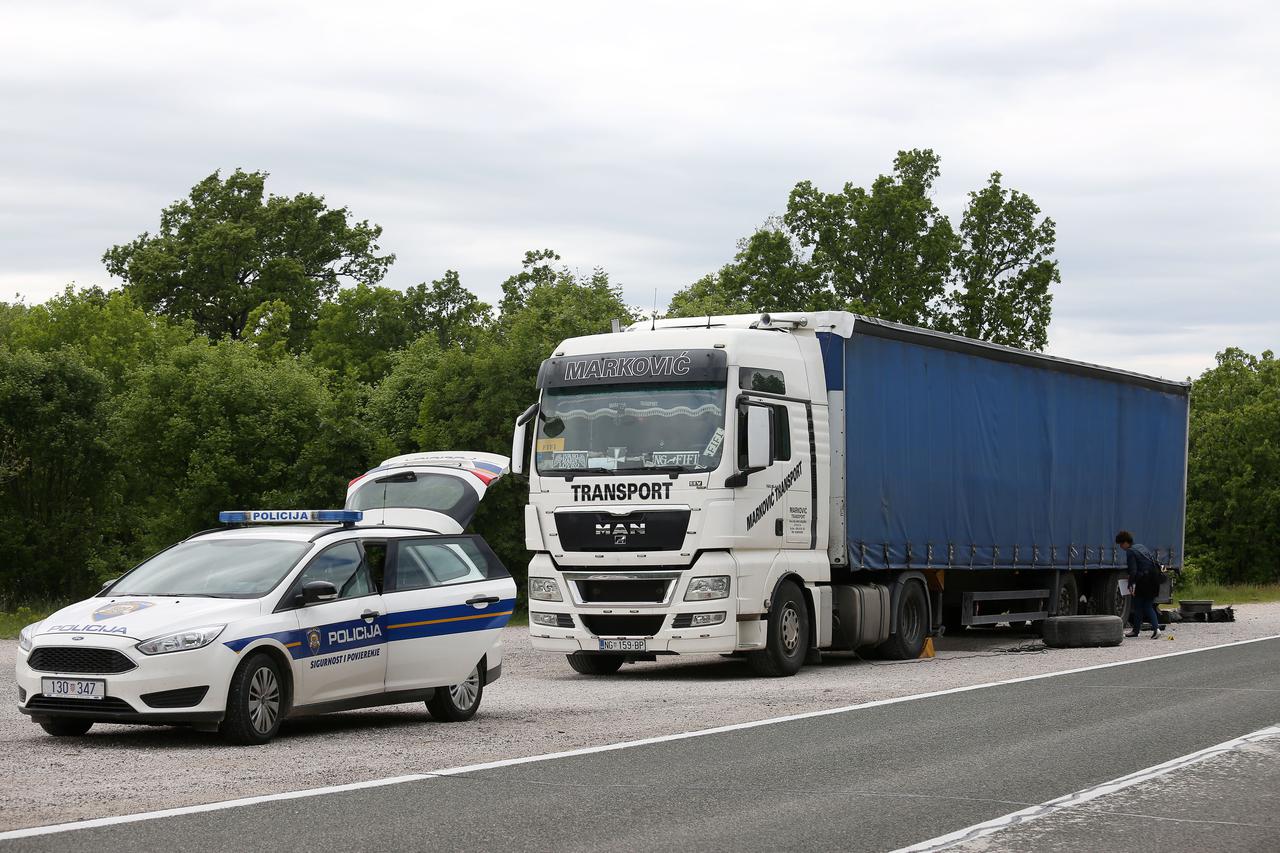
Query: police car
column 289, row 612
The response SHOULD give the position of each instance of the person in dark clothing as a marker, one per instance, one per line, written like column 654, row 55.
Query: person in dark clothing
column 1144, row 584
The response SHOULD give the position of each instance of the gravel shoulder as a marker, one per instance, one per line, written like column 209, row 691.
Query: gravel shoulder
column 538, row 706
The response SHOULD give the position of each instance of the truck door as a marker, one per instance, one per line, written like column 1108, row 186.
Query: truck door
column 791, row 447
column 776, row 517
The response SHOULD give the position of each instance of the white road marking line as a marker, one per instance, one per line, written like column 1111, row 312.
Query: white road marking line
column 94, row 823
column 1024, row 816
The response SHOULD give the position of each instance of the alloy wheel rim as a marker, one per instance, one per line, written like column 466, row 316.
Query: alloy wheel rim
column 264, row 700
column 464, row 694
column 790, row 627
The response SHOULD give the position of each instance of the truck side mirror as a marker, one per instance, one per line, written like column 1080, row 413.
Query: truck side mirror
column 759, row 437
column 518, row 439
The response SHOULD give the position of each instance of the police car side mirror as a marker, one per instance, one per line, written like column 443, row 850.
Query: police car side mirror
column 315, row 592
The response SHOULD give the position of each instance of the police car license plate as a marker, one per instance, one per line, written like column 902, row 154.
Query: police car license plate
column 74, row 688
column 624, row 646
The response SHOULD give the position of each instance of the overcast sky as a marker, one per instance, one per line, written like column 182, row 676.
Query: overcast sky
column 648, row 138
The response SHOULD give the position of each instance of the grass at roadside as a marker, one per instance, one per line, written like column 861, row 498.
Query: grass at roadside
column 1224, row 594
column 11, row 622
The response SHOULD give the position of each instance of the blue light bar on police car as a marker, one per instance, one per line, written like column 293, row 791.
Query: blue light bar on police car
column 290, row 516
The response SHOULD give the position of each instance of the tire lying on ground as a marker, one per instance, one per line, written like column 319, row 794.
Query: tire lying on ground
column 1074, row 632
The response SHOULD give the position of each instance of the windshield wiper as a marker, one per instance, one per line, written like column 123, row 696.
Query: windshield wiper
column 570, row 473
column 673, row 470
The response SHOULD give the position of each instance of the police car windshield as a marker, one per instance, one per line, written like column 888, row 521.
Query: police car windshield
column 218, row 568
column 626, row 428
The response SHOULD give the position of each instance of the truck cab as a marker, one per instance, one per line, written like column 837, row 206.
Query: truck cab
column 679, row 476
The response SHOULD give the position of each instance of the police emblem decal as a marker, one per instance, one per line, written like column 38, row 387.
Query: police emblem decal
column 313, row 640
column 120, row 608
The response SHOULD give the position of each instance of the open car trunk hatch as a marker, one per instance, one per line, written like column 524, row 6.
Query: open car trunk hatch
column 438, row 491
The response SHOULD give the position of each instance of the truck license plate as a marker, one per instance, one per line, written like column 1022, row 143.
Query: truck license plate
column 624, row 646
column 74, row 688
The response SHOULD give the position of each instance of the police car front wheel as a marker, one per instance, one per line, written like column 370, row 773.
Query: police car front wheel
column 458, row 702
column 255, row 702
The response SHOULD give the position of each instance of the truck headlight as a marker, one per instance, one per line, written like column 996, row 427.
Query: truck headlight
column 181, row 641
column 707, row 589
column 544, row 589
column 26, row 635
column 549, row 620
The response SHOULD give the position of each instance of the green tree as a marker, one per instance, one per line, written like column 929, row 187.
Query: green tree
column 56, row 475
column 884, row 251
column 213, row 427
column 445, row 309
column 1233, row 471
column 538, row 268
column 228, row 247
column 1003, row 269
column 359, row 330
column 112, row 333
column 766, row 274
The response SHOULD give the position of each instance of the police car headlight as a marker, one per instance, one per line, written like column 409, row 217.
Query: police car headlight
column 544, row 589
column 181, row 641
column 707, row 589
column 26, row 635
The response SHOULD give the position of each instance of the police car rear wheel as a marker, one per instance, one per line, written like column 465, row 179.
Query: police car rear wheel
column 458, row 702
column 66, row 726
column 254, row 703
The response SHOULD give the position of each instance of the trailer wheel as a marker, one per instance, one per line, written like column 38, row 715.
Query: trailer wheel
column 590, row 664
column 788, row 635
column 1076, row 632
column 912, row 619
column 1105, row 598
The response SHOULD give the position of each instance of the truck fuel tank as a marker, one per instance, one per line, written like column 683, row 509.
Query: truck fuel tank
column 861, row 615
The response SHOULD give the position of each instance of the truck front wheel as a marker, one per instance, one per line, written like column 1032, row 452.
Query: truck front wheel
column 788, row 635
column 912, row 619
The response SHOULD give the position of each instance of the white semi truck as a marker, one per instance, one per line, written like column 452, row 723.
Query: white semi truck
column 781, row 485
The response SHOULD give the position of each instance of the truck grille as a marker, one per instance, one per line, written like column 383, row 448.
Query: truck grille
column 622, row 626
column 635, row 590
column 60, row 659
column 642, row 530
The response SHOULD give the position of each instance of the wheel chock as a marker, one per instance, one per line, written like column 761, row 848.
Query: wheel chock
column 927, row 651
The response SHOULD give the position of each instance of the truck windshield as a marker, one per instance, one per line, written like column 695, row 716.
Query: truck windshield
column 675, row 427
column 214, row 568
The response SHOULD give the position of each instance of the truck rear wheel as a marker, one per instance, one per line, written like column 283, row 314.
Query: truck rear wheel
column 912, row 619
column 589, row 664
column 787, row 635
column 1068, row 596
column 1105, row 598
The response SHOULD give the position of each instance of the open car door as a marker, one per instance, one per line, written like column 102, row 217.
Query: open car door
column 437, row 491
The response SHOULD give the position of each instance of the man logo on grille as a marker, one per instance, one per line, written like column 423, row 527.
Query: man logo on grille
column 313, row 640
column 120, row 608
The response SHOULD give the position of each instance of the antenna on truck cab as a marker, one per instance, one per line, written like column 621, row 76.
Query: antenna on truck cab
column 653, row 325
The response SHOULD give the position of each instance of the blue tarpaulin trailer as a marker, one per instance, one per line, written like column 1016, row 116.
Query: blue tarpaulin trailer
column 966, row 456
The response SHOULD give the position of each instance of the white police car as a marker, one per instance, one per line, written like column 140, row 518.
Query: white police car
column 295, row 612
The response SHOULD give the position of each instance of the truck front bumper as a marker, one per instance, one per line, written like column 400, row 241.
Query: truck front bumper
column 581, row 626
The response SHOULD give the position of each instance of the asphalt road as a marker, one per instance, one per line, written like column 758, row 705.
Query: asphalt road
column 876, row 778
